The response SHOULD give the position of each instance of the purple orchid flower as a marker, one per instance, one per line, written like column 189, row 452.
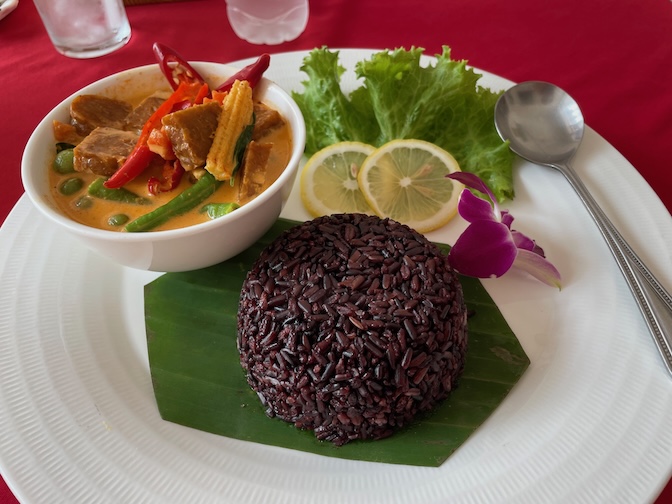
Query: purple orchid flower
column 489, row 247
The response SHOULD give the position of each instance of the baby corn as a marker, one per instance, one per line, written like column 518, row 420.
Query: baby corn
column 234, row 127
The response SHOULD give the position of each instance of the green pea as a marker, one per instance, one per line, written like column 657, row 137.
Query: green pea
column 84, row 202
column 70, row 186
column 64, row 161
column 117, row 220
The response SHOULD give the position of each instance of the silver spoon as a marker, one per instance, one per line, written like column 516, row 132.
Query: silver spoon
column 545, row 126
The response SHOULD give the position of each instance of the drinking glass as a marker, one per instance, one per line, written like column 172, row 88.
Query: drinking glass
column 267, row 22
column 85, row 28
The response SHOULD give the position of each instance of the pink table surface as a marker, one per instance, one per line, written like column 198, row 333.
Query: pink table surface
column 615, row 58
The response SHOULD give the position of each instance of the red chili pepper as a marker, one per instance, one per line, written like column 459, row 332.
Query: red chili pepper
column 178, row 70
column 196, row 99
column 134, row 165
column 141, row 156
column 170, row 178
column 174, row 67
column 251, row 73
column 202, row 94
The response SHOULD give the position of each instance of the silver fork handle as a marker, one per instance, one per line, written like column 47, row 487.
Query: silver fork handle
column 654, row 302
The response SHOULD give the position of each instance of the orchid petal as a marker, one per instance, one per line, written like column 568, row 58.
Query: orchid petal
column 485, row 249
column 506, row 218
column 522, row 241
column 525, row 242
column 474, row 182
column 538, row 267
column 472, row 208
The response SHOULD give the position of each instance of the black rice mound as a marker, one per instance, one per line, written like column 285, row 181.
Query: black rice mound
column 350, row 325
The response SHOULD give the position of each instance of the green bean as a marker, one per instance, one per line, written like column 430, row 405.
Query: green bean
column 121, row 195
column 180, row 204
column 117, row 220
column 64, row 161
column 70, row 186
column 215, row 210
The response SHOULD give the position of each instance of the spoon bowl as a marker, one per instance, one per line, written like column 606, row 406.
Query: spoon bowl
column 544, row 125
column 541, row 121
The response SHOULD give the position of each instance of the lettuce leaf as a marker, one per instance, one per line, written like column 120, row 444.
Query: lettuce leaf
column 441, row 103
column 331, row 116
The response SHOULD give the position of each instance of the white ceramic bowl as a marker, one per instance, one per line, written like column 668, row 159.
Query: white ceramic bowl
column 182, row 249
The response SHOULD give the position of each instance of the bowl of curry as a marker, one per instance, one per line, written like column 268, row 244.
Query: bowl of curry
column 166, row 176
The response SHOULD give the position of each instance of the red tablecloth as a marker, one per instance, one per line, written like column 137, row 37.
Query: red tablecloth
column 615, row 58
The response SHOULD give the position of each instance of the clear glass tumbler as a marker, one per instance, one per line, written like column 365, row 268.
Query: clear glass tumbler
column 85, row 28
column 267, row 22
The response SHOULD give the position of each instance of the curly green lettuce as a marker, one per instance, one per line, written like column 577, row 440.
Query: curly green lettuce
column 441, row 103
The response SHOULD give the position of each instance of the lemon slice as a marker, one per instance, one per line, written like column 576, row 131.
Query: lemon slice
column 405, row 180
column 329, row 180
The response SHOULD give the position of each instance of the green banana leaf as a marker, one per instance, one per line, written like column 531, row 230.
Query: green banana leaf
column 198, row 381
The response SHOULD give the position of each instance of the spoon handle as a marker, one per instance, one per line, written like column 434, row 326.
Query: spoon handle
column 654, row 302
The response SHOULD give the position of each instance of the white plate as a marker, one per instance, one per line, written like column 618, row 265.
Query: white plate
column 589, row 421
column 7, row 6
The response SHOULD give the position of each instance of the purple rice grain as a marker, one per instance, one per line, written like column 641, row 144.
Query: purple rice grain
column 350, row 325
